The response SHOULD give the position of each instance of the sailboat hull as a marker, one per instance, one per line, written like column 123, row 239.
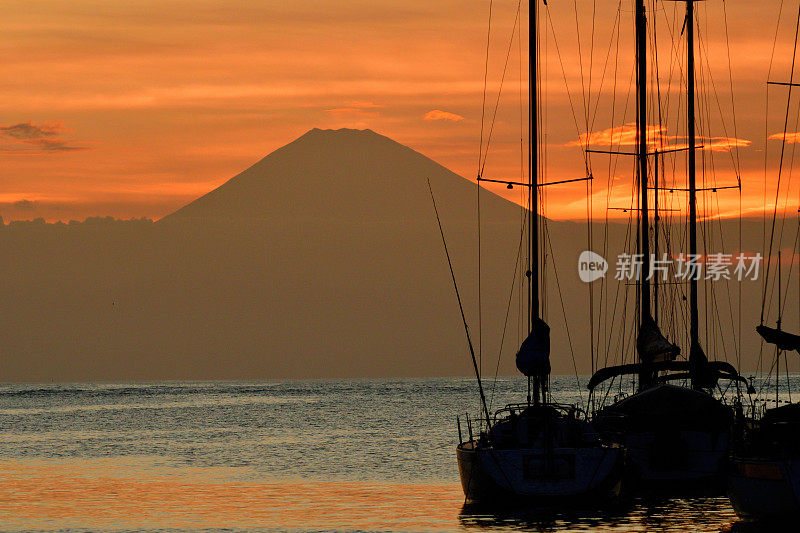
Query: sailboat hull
column 765, row 489
column 538, row 478
column 668, row 461
column 677, row 439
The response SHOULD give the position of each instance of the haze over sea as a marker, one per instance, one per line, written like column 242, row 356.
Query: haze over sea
column 367, row 455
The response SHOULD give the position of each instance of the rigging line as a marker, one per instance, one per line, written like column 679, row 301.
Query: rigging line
column 615, row 28
column 523, row 130
column 480, row 280
column 508, row 307
column 583, row 82
column 784, row 217
column 783, row 220
column 715, row 198
column 611, row 169
column 766, row 382
column 500, row 90
column 591, row 67
column 703, row 46
column 733, row 96
column 485, row 86
column 482, row 166
column 739, row 178
column 564, row 76
column 566, row 322
column 780, row 165
column 766, row 167
column 788, row 383
column 460, row 306
column 739, row 292
column 788, row 277
column 590, row 287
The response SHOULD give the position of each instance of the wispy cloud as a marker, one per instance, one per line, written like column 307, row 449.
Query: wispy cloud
column 29, row 138
column 29, row 130
column 356, row 109
column 786, row 137
column 24, row 204
column 656, row 138
column 438, row 114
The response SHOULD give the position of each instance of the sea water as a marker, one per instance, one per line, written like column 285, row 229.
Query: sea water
column 344, row 455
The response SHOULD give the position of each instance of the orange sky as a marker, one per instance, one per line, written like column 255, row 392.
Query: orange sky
column 133, row 108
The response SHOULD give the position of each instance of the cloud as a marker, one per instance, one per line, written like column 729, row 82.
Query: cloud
column 656, row 137
column 357, row 109
column 351, row 112
column 24, row 205
column 56, row 145
column 29, row 138
column 438, row 114
column 365, row 105
column 787, row 137
column 29, row 131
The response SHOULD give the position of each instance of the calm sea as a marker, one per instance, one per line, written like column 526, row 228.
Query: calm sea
column 347, row 455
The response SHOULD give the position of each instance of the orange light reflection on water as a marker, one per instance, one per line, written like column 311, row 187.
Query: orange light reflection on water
column 106, row 494
column 143, row 493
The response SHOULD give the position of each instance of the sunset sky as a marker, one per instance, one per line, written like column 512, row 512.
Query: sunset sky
column 134, row 108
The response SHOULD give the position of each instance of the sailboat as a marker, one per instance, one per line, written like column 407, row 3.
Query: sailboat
column 538, row 451
column 764, row 479
column 676, row 437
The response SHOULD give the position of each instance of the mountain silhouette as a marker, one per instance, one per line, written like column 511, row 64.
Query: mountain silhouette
column 344, row 175
column 322, row 260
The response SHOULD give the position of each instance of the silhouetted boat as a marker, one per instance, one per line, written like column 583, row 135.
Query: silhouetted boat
column 538, row 452
column 764, row 479
column 677, row 438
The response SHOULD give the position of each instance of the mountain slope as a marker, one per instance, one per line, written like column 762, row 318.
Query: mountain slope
column 323, row 259
column 341, row 175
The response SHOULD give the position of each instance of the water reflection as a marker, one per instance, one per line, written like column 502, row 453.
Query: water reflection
column 650, row 515
column 766, row 526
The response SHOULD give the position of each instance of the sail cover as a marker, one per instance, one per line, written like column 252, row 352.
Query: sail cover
column 652, row 346
column 533, row 357
column 781, row 339
column 703, row 376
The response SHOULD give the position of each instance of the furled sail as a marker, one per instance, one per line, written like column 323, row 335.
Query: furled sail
column 781, row 339
column 533, row 357
column 652, row 346
column 703, row 376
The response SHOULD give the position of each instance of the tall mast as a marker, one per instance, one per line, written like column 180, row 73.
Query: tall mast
column 641, row 120
column 645, row 375
column 533, row 171
column 533, row 182
column 694, row 331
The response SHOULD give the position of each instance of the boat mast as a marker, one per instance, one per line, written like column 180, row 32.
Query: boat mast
column 694, row 329
column 533, row 174
column 645, row 376
column 533, row 181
